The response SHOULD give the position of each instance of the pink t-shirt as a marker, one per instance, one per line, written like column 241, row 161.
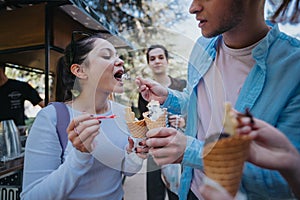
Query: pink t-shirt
column 221, row 83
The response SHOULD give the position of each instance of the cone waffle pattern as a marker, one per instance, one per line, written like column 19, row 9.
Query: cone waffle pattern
column 224, row 161
column 138, row 129
column 160, row 122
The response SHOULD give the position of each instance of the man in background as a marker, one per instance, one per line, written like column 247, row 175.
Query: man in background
column 13, row 94
column 158, row 60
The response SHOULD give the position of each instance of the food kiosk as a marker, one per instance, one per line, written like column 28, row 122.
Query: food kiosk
column 33, row 35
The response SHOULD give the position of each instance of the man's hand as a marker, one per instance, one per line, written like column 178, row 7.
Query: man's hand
column 210, row 193
column 167, row 145
column 151, row 90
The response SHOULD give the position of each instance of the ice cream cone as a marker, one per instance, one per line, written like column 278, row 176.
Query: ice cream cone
column 138, row 129
column 224, row 161
column 160, row 122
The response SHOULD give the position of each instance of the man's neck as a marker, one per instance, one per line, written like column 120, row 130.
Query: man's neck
column 3, row 79
column 241, row 41
column 249, row 31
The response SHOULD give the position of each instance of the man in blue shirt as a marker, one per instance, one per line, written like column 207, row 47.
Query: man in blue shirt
column 244, row 61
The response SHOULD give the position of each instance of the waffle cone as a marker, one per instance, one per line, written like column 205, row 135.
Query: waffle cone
column 138, row 129
column 160, row 122
column 224, row 161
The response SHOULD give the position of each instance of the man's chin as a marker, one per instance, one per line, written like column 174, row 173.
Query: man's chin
column 207, row 35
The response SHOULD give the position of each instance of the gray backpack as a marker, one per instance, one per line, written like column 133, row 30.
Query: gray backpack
column 63, row 119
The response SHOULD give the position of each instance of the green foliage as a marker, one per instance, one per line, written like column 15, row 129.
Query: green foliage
column 35, row 78
column 129, row 15
column 143, row 23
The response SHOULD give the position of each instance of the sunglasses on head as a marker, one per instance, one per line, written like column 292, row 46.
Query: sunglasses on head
column 77, row 36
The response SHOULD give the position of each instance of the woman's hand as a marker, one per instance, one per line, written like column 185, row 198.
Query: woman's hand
column 141, row 151
column 151, row 90
column 271, row 149
column 82, row 130
column 176, row 121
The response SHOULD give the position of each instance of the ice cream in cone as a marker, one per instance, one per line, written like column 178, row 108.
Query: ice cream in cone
column 137, row 128
column 224, row 158
column 156, row 117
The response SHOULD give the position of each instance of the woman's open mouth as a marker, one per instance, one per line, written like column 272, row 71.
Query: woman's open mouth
column 118, row 75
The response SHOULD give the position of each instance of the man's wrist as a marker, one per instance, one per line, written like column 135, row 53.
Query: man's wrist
column 292, row 175
column 164, row 97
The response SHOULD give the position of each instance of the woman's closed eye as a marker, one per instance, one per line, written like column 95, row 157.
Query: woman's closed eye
column 107, row 57
column 108, row 54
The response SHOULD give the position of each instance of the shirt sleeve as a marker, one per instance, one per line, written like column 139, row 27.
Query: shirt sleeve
column 132, row 164
column 177, row 102
column 44, row 175
column 31, row 94
column 193, row 153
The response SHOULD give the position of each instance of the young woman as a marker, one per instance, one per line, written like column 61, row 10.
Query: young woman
column 97, row 153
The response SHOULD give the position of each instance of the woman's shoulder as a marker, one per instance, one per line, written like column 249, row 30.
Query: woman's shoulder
column 118, row 109
column 49, row 110
column 117, row 105
column 47, row 115
column 45, row 122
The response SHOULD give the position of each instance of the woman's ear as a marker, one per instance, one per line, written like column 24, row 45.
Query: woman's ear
column 78, row 71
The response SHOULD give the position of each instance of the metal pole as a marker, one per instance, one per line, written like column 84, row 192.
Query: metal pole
column 48, row 16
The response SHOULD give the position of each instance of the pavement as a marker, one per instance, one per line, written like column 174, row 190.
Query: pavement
column 135, row 186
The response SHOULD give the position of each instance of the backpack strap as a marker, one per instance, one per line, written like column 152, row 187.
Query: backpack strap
column 63, row 119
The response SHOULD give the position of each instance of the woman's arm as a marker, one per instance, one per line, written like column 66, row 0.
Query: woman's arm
column 44, row 175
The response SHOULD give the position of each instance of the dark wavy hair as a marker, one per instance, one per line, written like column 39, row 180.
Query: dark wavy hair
column 155, row 47
column 75, row 53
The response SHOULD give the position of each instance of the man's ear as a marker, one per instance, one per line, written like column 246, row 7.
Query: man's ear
column 78, row 71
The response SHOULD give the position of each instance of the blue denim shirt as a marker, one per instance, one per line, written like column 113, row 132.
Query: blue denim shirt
column 271, row 91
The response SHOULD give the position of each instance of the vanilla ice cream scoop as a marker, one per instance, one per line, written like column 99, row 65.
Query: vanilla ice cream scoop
column 155, row 111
